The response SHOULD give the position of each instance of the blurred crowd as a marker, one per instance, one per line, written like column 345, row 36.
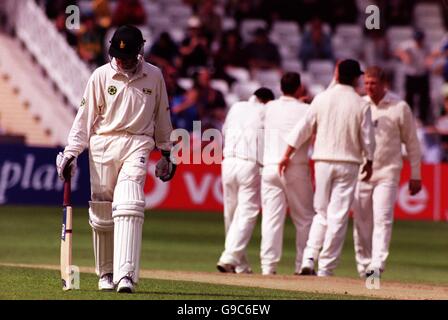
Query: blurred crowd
column 209, row 50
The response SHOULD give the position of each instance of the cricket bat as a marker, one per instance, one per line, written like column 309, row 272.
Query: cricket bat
column 66, row 234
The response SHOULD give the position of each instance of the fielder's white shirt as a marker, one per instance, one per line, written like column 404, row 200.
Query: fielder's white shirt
column 394, row 124
column 114, row 104
column 343, row 125
column 243, row 131
column 282, row 115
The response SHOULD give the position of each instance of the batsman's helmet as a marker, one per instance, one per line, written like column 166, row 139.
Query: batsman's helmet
column 126, row 42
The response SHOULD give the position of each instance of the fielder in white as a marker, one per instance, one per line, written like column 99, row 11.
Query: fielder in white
column 123, row 116
column 291, row 190
column 243, row 144
column 374, row 202
column 344, row 136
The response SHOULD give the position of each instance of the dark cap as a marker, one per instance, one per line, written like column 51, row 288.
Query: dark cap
column 349, row 69
column 264, row 94
column 126, row 42
column 419, row 35
column 260, row 31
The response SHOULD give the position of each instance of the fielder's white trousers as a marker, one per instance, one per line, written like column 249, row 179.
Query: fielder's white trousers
column 373, row 213
column 294, row 190
column 242, row 204
column 333, row 197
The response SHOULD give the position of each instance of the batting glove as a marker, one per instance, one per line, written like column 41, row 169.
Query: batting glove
column 165, row 168
column 62, row 161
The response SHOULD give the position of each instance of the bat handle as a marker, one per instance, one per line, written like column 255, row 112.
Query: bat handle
column 67, row 183
column 67, row 192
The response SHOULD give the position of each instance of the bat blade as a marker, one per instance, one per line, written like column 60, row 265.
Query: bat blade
column 66, row 249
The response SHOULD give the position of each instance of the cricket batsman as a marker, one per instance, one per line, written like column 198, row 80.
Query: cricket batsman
column 373, row 206
column 123, row 116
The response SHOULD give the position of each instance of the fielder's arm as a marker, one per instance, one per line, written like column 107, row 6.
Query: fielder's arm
column 368, row 142
column 299, row 135
column 285, row 161
column 408, row 132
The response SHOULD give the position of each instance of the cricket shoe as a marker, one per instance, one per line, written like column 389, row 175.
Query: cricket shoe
column 268, row 271
column 324, row 273
column 225, row 267
column 243, row 270
column 125, row 285
column 106, row 282
column 308, row 268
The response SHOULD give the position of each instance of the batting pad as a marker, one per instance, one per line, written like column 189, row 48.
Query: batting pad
column 128, row 213
column 128, row 239
column 129, row 199
column 100, row 219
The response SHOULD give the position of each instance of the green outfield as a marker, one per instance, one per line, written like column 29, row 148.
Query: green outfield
column 189, row 242
column 31, row 284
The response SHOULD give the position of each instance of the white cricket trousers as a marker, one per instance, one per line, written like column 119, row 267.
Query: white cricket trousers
column 294, row 190
column 242, row 204
column 118, row 166
column 373, row 213
column 333, row 197
column 116, row 157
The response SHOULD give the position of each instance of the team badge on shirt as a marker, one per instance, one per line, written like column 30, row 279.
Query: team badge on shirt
column 112, row 90
column 83, row 102
column 147, row 91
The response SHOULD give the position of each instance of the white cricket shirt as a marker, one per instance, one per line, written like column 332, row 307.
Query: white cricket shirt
column 394, row 124
column 282, row 115
column 342, row 121
column 243, row 131
column 114, row 104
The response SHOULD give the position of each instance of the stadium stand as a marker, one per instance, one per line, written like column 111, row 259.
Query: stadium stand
column 28, row 95
column 17, row 120
column 287, row 30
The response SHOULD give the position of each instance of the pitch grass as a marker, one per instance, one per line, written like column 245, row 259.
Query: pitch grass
column 194, row 241
column 36, row 284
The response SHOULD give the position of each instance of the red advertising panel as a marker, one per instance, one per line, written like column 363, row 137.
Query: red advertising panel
column 444, row 193
column 420, row 206
column 194, row 187
column 197, row 187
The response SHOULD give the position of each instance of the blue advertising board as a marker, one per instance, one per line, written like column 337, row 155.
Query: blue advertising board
column 28, row 176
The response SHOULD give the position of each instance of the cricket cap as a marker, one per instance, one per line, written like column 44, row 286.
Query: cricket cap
column 350, row 68
column 126, row 42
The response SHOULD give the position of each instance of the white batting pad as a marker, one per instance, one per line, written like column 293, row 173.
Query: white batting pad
column 100, row 215
column 128, row 239
column 100, row 219
column 129, row 199
column 128, row 213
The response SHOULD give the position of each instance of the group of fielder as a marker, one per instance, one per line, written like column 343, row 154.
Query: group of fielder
column 356, row 147
column 124, row 115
